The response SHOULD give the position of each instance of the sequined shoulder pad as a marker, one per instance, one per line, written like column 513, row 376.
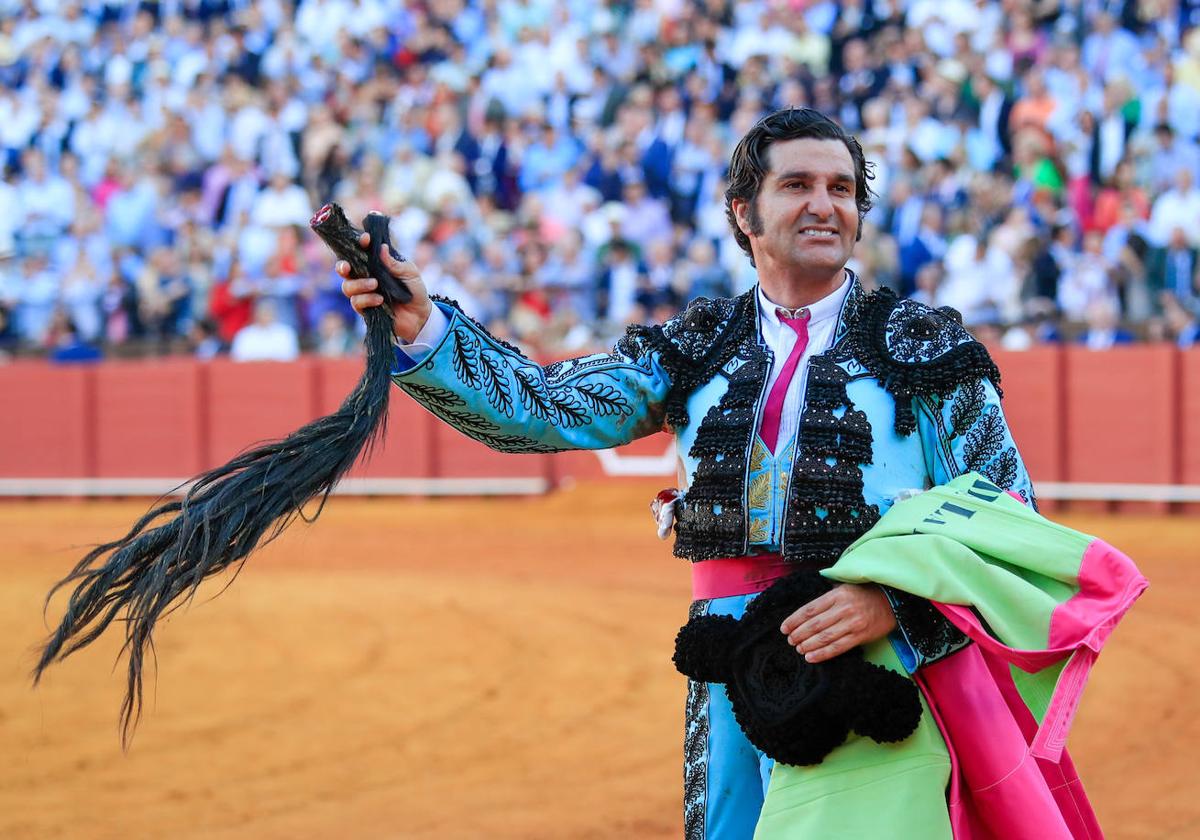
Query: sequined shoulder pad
column 915, row 350
column 693, row 345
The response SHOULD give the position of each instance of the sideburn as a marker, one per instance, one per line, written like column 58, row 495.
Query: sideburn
column 753, row 217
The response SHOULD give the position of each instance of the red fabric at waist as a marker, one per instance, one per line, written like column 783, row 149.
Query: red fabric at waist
column 727, row 576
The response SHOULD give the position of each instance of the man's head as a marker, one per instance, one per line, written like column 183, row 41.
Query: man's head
column 264, row 313
column 798, row 193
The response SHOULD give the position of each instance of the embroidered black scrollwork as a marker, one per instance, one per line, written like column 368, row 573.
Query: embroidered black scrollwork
column 968, row 405
column 464, row 356
column 695, row 749
column 496, row 386
column 929, row 633
column 694, row 345
column 603, row 400
column 445, row 404
column 826, row 509
column 984, row 440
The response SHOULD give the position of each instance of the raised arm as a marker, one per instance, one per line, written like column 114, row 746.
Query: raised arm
column 490, row 391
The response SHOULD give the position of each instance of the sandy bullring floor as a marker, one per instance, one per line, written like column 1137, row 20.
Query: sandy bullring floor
column 462, row 669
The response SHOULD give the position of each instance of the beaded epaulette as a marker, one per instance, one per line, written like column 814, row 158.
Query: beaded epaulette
column 915, row 350
column 693, row 345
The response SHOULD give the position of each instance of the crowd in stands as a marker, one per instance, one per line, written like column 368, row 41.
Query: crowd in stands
column 557, row 166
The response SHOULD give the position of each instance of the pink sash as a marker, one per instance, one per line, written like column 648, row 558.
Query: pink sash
column 727, row 576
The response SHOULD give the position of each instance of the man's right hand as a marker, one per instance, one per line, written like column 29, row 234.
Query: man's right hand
column 407, row 319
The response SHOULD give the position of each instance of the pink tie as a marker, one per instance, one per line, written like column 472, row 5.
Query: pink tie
column 774, row 410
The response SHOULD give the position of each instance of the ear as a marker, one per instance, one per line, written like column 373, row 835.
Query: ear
column 741, row 209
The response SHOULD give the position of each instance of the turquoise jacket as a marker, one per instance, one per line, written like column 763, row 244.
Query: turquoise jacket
column 904, row 400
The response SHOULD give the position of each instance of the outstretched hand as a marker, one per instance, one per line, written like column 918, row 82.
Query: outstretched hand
column 407, row 319
column 848, row 615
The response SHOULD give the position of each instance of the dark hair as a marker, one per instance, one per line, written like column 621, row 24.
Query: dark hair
column 748, row 165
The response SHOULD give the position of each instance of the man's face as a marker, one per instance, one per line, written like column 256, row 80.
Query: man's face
column 805, row 219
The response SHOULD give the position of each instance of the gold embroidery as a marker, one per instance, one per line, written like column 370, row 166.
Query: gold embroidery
column 758, row 456
column 760, row 491
column 760, row 530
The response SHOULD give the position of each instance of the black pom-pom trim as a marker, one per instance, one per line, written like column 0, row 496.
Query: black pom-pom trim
column 703, row 647
column 794, row 711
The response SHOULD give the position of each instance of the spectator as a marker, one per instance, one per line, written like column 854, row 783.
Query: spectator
column 1181, row 323
column 1104, row 329
column 334, row 337
column 979, row 282
column 1086, row 281
column 281, row 203
column 70, row 348
column 1176, row 209
column 492, row 129
column 205, row 341
column 1173, row 270
column 264, row 338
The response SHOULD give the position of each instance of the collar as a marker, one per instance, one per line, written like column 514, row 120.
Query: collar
column 825, row 309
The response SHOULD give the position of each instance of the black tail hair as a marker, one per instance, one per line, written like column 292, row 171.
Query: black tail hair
column 231, row 510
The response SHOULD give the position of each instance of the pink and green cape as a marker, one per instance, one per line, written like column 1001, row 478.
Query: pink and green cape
column 1039, row 600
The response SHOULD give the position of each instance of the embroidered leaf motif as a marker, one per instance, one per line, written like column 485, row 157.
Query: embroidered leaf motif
column 1003, row 470
column 432, row 396
column 485, row 431
column 470, row 423
column 967, row 407
column 758, row 455
column 559, row 405
column 782, row 484
column 515, row 443
column 495, row 382
column 984, row 440
column 568, row 408
column 465, row 357
column 603, row 399
column 533, row 394
column 760, row 491
column 760, row 530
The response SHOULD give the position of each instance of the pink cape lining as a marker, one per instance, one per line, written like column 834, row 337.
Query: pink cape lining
column 1012, row 779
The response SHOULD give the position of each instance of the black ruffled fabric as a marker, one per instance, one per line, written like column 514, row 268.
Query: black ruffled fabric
column 794, row 711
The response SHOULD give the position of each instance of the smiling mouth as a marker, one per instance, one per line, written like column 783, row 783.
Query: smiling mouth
column 818, row 233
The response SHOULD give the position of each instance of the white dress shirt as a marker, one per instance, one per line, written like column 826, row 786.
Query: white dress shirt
column 780, row 338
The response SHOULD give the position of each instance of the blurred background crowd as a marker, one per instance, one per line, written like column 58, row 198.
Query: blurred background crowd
column 557, row 167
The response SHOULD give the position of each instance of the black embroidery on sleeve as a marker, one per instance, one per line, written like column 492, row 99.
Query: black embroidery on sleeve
column 968, row 405
column 694, row 345
column 984, row 441
column 929, row 632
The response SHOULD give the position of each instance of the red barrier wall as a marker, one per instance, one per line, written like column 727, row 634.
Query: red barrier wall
column 1032, row 385
column 1121, row 415
column 1189, row 414
column 406, row 448
column 45, row 421
column 1116, row 416
column 148, row 419
column 250, row 402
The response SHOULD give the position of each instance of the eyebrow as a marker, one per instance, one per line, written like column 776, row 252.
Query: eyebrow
column 803, row 174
